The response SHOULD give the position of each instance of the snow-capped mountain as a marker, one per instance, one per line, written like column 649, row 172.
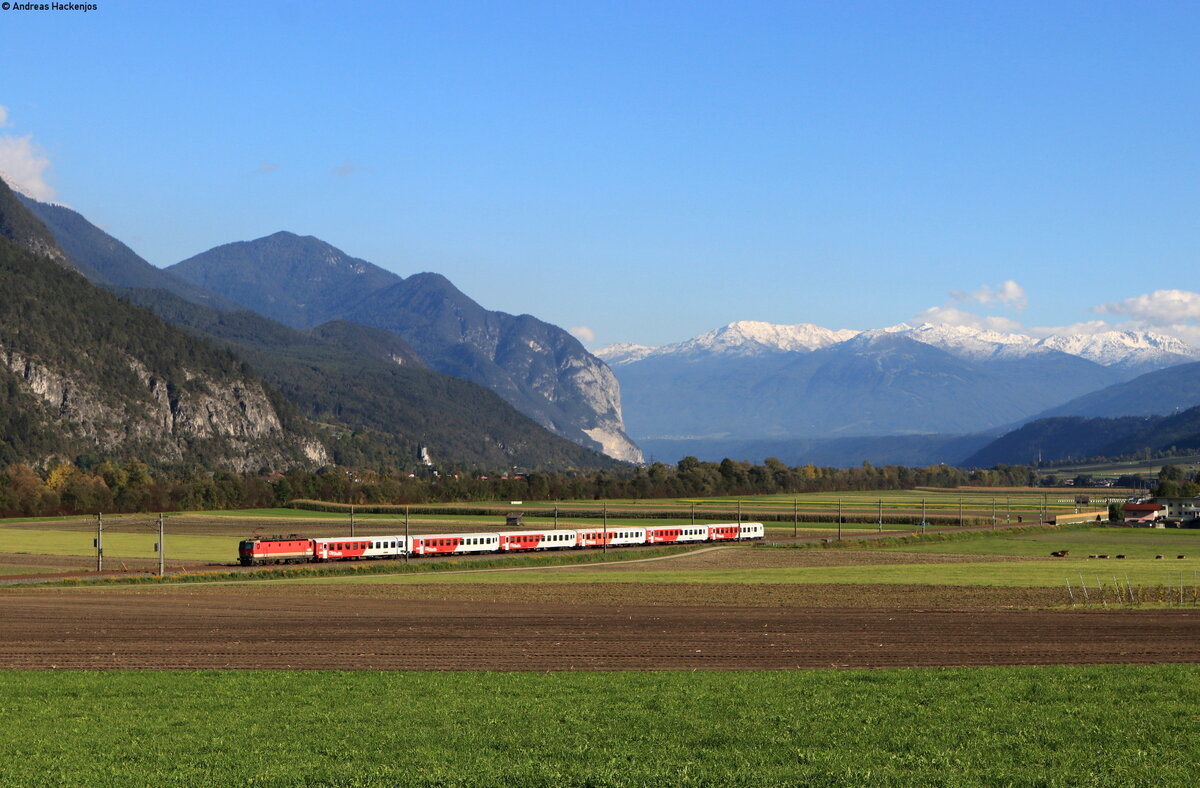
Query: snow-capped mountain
column 624, row 353
column 1125, row 348
column 1133, row 350
column 742, row 338
column 755, row 380
column 968, row 343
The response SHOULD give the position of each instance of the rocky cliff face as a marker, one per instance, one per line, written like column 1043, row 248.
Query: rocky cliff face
column 597, row 388
column 540, row 369
column 233, row 419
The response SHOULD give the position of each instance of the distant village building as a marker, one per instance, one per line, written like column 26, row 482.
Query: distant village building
column 1178, row 508
column 1144, row 513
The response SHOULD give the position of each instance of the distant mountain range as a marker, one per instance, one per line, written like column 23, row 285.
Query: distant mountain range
column 927, row 392
column 358, row 365
column 1138, row 351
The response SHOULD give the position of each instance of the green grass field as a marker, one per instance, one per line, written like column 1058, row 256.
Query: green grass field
column 1048, row 726
column 117, row 544
column 1032, row 574
column 1131, row 542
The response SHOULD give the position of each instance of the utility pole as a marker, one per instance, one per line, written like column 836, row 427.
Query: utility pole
column 556, row 517
column 604, row 538
column 960, row 517
column 161, row 548
column 880, row 515
column 795, row 517
column 407, row 541
column 351, row 521
column 693, row 512
column 839, row 519
column 99, row 542
column 993, row 513
column 739, row 511
column 922, row 515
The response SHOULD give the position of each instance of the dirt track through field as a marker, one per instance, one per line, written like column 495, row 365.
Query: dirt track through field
column 78, row 629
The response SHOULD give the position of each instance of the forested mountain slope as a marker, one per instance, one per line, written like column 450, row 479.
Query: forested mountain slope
column 1072, row 437
column 380, row 405
column 82, row 371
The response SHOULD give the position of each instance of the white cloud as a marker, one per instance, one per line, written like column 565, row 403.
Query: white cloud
column 949, row 316
column 1162, row 307
column 583, row 333
column 346, row 168
column 1189, row 334
column 1008, row 293
column 23, row 167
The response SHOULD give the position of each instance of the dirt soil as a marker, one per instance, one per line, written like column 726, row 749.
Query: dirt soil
column 726, row 558
column 737, row 595
column 168, row 628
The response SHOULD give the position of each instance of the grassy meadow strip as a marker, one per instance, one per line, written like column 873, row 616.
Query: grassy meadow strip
column 120, row 544
column 1016, row 574
column 1044, row 726
column 1086, row 540
column 853, row 541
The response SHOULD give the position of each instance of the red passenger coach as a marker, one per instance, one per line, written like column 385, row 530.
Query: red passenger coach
column 531, row 540
column 725, row 532
column 677, row 534
column 613, row 537
column 455, row 544
column 339, row 548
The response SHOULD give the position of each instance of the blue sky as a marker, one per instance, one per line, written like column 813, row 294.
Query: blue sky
column 647, row 171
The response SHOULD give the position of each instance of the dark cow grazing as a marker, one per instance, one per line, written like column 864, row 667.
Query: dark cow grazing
column 1060, row 553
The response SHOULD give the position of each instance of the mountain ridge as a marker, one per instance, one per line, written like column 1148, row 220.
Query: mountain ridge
column 538, row 368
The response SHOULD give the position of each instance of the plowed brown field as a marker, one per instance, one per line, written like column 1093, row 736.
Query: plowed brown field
column 161, row 628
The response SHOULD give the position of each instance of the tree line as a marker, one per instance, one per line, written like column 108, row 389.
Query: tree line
column 134, row 486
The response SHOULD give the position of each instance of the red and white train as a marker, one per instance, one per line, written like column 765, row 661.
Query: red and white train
column 298, row 549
